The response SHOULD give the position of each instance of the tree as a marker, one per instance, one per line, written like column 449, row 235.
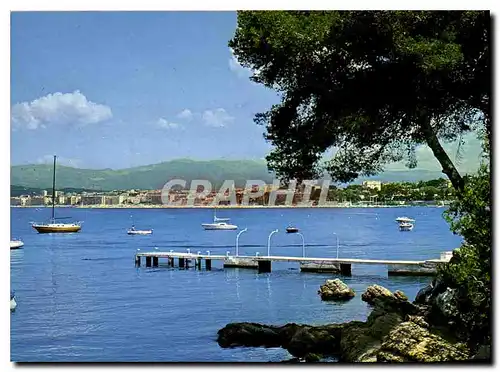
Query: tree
column 371, row 84
column 470, row 271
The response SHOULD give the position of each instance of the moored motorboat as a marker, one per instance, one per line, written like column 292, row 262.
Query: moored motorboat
column 291, row 229
column 16, row 244
column 133, row 231
column 404, row 219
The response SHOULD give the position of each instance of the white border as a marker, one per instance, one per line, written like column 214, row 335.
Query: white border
column 155, row 5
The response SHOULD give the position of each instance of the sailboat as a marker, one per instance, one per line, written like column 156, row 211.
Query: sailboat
column 218, row 224
column 52, row 226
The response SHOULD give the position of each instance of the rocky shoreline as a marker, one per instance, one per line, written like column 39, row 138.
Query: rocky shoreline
column 396, row 330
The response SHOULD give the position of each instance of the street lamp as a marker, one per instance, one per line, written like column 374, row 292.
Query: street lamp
column 269, row 242
column 337, row 244
column 238, row 238
column 303, row 244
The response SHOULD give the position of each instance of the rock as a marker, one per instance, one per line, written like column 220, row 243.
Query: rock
column 424, row 295
column 409, row 342
column 249, row 334
column 299, row 340
column 335, row 290
column 400, row 296
column 312, row 358
column 446, row 302
column 357, row 344
column 375, row 291
column 418, row 319
column 322, row 340
column 386, row 301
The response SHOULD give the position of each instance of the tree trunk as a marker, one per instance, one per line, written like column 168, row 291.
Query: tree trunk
column 448, row 167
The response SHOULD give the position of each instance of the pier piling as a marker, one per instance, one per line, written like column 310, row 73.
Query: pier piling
column 148, row 261
column 208, row 264
column 345, row 269
column 181, row 262
column 155, row 261
column 138, row 261
column 264, row 266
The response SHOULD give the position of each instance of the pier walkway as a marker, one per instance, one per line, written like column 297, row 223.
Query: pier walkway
column 310, row 264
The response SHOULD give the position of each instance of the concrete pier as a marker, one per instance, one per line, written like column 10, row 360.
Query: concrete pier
column 311, row 264
column 243, row 263
column 320, row 267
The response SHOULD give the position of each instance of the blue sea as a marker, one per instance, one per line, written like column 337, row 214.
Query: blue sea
column 80, row 297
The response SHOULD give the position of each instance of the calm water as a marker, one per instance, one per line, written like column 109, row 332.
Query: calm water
column 80, row 298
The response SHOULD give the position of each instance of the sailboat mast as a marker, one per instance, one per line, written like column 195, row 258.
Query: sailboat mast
column 54, row 189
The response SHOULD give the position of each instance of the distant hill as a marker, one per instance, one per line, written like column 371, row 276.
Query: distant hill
column 39, row 176
column 144, row 177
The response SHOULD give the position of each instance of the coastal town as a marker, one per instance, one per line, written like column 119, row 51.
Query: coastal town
column 368, row 193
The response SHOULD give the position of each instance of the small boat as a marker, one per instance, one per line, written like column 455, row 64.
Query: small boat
column 52, row 226
column 291, row 229
column 16, row 244
column 404, row 219
column 405, row 226
column 13, row 303
column 219, row 226
column 133, row 231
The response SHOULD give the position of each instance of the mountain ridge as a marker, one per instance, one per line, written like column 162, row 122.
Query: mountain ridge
column 154, row 176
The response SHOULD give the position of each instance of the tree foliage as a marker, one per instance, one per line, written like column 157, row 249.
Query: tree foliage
column 371, row 84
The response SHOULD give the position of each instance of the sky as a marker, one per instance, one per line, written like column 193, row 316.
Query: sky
column 122, row 89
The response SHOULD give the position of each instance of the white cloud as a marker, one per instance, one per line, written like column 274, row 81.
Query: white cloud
column 68, row 162
column 216, row 118
column 59, row 109
column 185, row 114
column 238, row 69
column 165, row 124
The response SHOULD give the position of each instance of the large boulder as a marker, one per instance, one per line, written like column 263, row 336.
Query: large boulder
column 383, row 300
column 376, row 291
column 335, row 289
column 410, row 342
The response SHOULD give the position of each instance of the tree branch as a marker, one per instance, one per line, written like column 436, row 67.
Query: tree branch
column 447, row 165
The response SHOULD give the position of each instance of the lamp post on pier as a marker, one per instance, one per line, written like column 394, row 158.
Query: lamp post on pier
column 238, row 238
column 269, row 242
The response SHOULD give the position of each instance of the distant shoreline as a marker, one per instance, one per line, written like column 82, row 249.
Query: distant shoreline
column 225, row 206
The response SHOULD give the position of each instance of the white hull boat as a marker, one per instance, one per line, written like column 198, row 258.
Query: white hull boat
column 405, row 226
column 139, row 232
column 404, row 220
column 13, row 303
column 219, row 226
column 16, row 244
